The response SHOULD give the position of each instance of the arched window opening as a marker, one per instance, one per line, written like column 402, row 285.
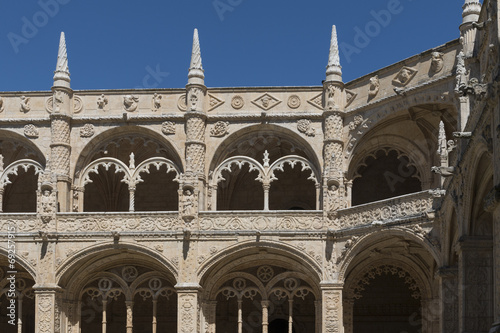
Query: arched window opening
column 387, row 304
column 157, row 191
column 384, row 175
column 20, row 195
column 128, row 298
column 24, row 319
column 292, row 190
column 106, row 192
column 240, row 190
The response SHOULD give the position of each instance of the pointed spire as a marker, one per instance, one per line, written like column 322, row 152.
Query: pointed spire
column 471, row 11
column 333, row 70
column 442, row 145
column 61, row 74
column 196, row 75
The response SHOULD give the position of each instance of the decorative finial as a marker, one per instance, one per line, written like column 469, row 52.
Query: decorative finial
column 471, row 11
column 196, row 74
column 131, row 163
column 334, row 70
column 62, row 71
column 266, row 159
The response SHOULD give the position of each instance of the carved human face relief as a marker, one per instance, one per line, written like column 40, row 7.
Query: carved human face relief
column 437, row 62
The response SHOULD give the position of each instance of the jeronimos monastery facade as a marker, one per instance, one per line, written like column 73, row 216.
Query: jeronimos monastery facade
column 366, row 206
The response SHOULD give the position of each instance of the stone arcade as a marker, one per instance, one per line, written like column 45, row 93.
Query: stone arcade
column 367, row 206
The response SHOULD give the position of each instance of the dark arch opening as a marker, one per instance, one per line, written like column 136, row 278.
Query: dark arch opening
column 279, row 326
column 240, row 190
column 387, row 305
column 107, row 192
column 157, row 192
column 20, row 195
column 384, row 176
column 292, row 190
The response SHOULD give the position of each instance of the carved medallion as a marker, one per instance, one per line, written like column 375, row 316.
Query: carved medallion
column 77, row 104
column 181, row 103
column 237, row 102
column 293, row 102
column 266, row 102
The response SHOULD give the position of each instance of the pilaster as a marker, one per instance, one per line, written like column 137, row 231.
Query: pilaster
column 332, row 312
column 187, row 305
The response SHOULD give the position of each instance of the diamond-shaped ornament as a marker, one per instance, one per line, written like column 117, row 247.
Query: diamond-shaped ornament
column 266, row 101
column 214, row 102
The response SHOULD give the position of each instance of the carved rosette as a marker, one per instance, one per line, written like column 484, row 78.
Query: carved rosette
column 87, row 131
column 31, row 131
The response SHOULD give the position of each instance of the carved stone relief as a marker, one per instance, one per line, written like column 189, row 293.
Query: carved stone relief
column 237, row 102
column 181, row 103
column 405, row 75
column 156, row 101
column 305, row 126
column 130, row 103
column 317, row 101
column 293, row 102
column 87, row 131
column 25, row 104
column 437, row 62
column 102, row 101
column 214, row 102
column 168, row 127
column 374, row 87
column 266, row 102
column 31, row 131
column 220, row 129
column 1, row 104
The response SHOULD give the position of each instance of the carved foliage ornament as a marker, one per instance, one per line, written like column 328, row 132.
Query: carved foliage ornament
column 31, row 131
column 87, row 131
column 220, row 129
column 304, row 126
column 168, row 127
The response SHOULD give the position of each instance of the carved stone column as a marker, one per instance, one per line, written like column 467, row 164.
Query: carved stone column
column 476, row 287
column 265, row 316
column 130, row 319
column 187, row 313
column 47, row 316
column 449, row 299
column 332, row 312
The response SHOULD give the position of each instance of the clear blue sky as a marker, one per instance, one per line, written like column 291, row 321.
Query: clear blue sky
column 116, row 44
